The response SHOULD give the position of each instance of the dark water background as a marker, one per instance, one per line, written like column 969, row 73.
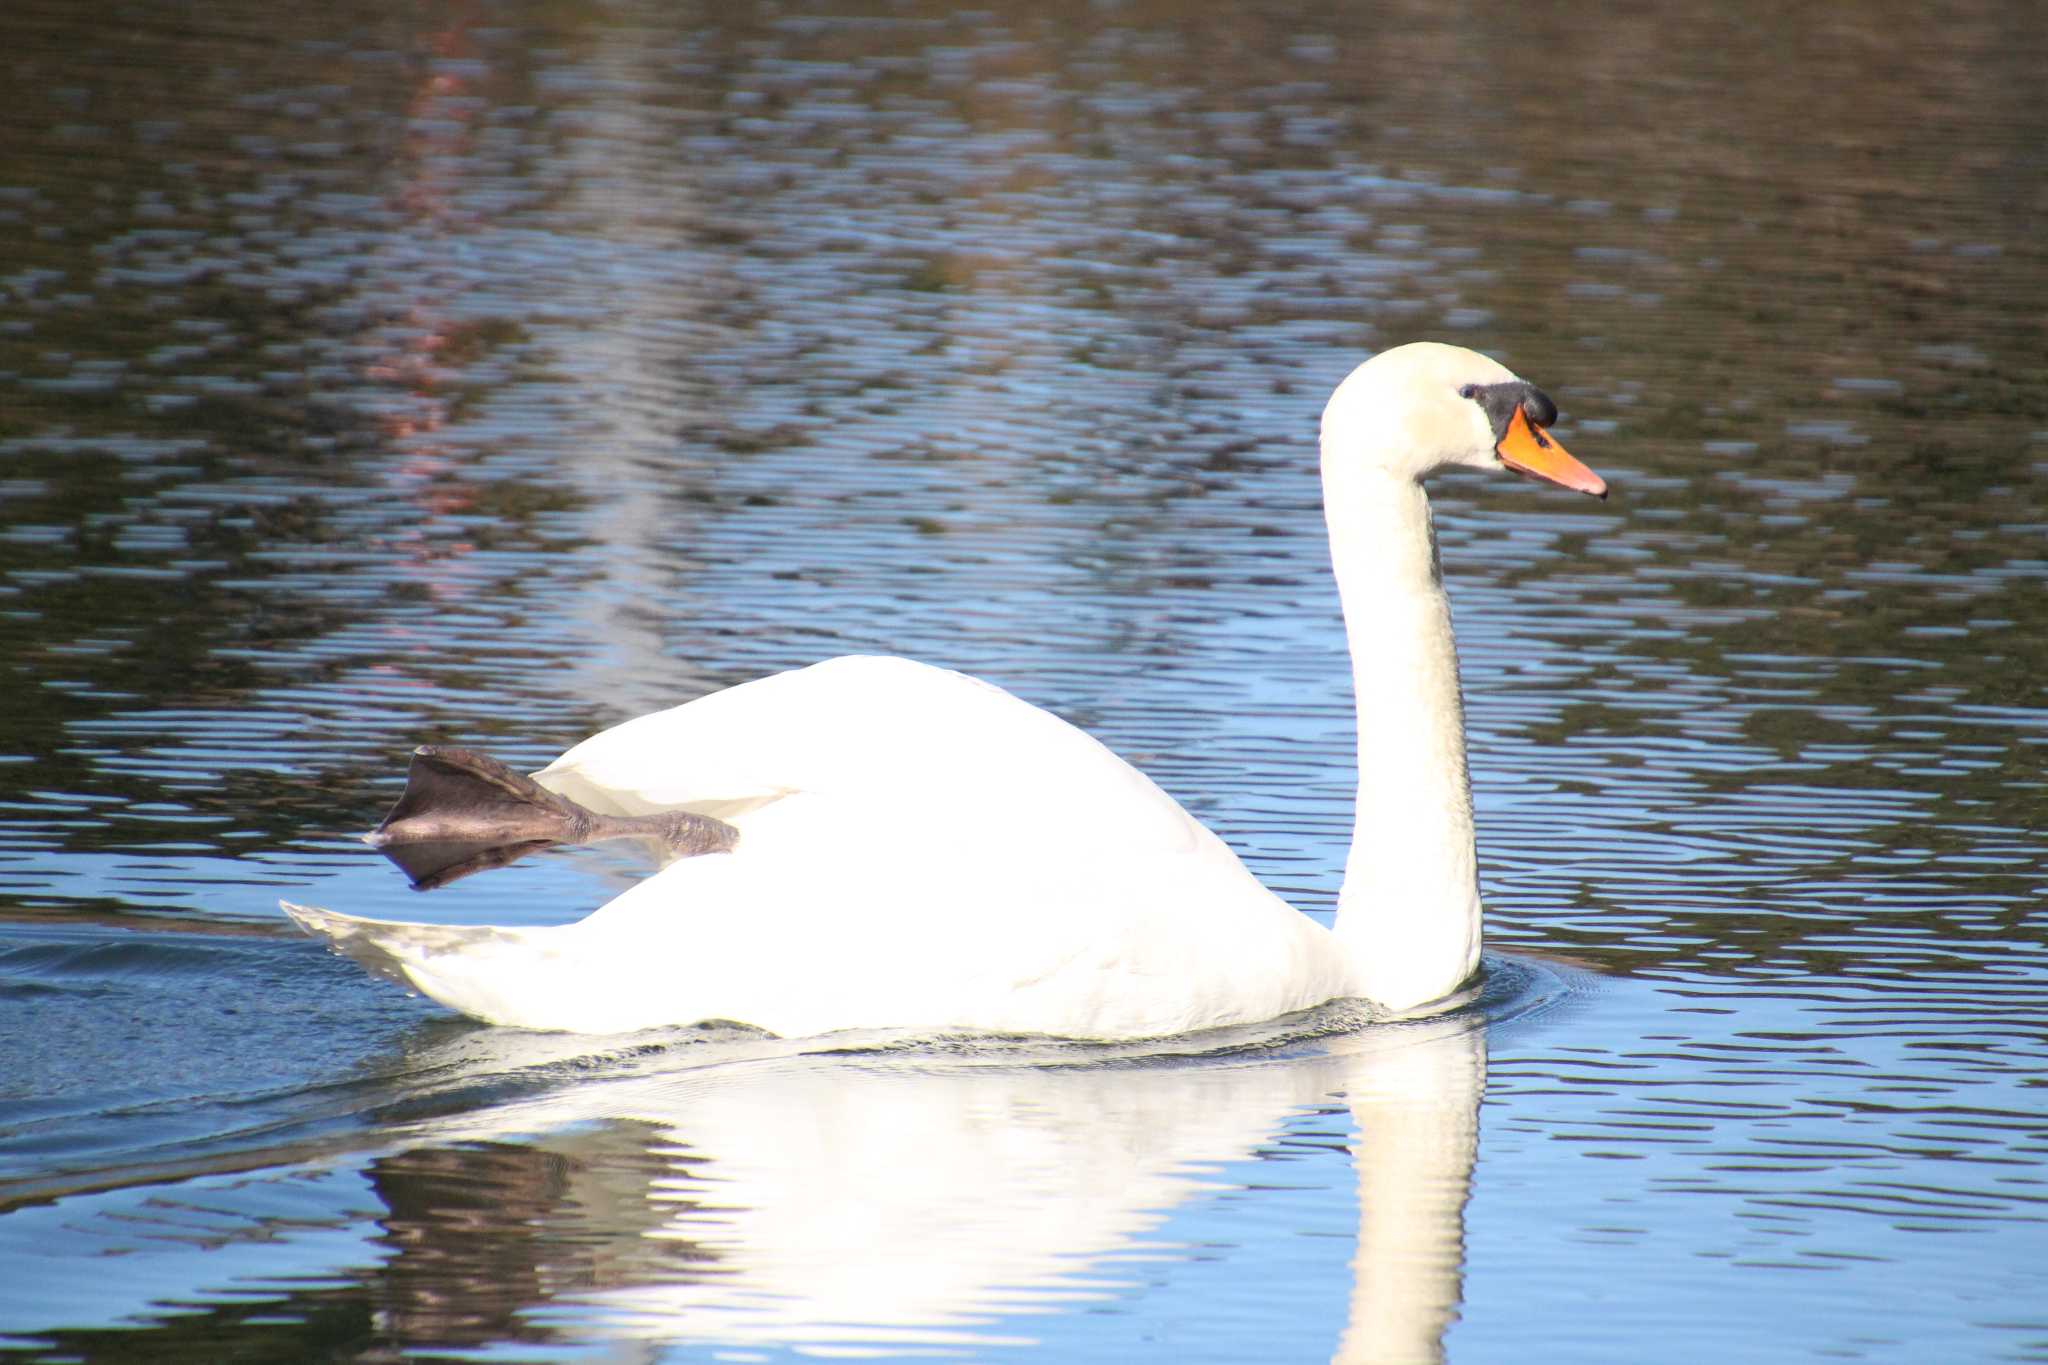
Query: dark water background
column 374, row 373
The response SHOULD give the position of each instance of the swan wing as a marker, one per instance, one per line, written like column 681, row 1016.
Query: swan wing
column 930, row 752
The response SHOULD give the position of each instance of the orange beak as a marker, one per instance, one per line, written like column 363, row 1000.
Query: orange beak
column 1528, row 449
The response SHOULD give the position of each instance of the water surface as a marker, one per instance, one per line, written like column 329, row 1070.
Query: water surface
column 487, row 375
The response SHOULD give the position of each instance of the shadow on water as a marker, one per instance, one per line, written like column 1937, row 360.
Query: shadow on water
column 876, row 1192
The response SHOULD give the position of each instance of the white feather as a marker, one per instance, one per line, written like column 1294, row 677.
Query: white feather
column 920, row 849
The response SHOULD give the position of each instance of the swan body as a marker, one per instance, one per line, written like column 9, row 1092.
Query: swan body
column 919, row 849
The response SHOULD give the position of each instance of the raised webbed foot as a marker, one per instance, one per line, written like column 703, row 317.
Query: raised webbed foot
column 464, row 812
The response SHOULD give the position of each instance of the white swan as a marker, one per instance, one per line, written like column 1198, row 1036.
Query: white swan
column 919, row 849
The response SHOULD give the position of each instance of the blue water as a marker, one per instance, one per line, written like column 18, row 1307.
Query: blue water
column 389, row 375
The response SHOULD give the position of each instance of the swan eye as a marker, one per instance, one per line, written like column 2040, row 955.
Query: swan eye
column 1503, row 400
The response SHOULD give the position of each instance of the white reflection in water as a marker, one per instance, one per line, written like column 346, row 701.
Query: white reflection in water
column 911, row 1199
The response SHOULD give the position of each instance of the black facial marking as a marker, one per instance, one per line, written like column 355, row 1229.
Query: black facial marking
column 1501, row 400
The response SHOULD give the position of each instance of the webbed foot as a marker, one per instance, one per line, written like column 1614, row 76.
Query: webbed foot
column 464, row 812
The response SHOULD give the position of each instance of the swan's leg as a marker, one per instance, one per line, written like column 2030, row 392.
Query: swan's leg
column 465, row 812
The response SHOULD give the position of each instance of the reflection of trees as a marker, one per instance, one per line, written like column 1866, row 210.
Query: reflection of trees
column 1029, row 313
column 219, row 366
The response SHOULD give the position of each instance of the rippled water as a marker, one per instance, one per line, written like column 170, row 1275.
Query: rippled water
column 490, row 374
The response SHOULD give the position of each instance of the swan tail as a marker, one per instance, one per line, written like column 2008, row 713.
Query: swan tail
column 462, row 966
column 464, row 812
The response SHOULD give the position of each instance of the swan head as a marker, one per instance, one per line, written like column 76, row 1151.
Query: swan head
column 1413, row 410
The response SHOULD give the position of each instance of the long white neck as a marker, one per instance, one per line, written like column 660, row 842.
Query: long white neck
column 1409, row 915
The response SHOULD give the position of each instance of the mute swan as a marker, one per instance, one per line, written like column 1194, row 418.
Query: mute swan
column 897, row 846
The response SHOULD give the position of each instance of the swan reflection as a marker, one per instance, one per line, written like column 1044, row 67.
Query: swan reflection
column 913, row 1198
